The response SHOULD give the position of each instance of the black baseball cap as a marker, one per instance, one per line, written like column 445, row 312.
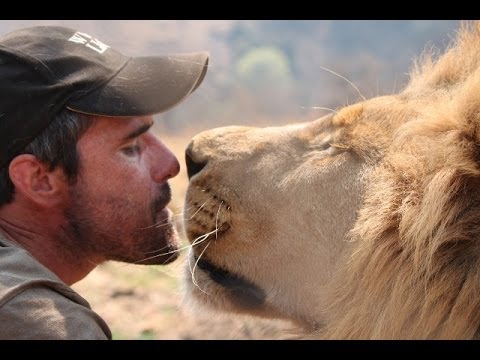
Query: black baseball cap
column 45, row 69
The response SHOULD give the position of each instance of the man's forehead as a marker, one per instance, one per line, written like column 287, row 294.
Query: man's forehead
column 116, row 128
column 122, row 123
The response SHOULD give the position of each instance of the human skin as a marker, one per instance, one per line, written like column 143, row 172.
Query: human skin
column 115, row 210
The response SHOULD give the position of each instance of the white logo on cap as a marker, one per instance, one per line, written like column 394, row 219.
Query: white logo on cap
column 89, row 41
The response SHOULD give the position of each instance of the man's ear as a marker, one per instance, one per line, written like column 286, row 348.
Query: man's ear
column 34, row 180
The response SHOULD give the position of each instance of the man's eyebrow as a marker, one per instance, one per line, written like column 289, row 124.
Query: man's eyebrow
column 138, row 131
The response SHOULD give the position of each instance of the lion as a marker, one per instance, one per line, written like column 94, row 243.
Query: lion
column 362, row 224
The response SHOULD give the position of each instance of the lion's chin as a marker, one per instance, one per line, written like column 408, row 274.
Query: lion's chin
column 221, row 289
column 245, row 293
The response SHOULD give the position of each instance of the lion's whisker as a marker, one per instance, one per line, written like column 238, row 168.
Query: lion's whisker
column 344, row 78
column 201, row 239
column 160, row 224
column 196, row 241
column 184, row 210
column 155, row 251
column 200, row 208
column 319, row 108
column 194, row 281
column 190, row 268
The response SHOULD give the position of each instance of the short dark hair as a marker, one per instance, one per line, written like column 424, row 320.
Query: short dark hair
column 55, row 146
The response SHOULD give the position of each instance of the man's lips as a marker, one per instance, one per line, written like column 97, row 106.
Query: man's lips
column 162, row 201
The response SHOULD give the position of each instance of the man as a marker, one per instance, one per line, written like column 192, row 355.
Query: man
column 82, row 179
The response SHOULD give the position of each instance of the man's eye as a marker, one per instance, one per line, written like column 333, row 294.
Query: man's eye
column 131, row 150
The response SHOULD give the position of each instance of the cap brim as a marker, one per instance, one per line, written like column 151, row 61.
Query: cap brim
column 145, row 86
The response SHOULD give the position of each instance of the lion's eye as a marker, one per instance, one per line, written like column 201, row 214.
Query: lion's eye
column 322, row 141
column 323, row 146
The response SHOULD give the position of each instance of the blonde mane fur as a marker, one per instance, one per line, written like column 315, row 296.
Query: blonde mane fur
column 418, row 231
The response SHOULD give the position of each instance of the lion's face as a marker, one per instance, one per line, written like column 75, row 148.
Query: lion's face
column 270, row 210
column 362, row 224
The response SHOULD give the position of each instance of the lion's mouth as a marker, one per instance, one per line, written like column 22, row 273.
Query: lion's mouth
column 207, row 214
column 244, row 292
column 197, row 231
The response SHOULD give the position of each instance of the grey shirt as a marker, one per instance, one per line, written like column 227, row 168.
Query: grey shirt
column 36, row 304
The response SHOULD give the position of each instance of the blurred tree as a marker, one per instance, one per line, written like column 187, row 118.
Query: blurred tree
column 265, row 73
column 265, row 66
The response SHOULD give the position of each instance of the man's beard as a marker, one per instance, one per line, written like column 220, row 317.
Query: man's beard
column 151, row 239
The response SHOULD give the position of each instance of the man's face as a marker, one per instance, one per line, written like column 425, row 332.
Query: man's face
column 118, row 204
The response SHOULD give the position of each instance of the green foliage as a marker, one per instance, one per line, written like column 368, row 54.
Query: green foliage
column 118, row 335
column 265, row 67
column 147, row 334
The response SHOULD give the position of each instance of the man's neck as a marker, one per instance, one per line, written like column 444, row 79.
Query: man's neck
column 45, row 238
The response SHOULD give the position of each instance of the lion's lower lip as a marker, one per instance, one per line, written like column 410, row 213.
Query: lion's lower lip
column 244, row 291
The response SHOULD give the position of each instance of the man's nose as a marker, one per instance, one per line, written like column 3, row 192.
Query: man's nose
column 165, row 165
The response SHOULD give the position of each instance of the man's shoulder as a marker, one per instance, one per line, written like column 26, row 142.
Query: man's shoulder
column 38, row 313
column 36, row 304
column 19, row 271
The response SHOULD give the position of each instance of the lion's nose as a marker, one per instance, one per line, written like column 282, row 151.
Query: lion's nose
column 193, row 167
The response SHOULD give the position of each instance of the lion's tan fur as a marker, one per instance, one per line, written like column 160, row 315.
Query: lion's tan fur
column 413, row 267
